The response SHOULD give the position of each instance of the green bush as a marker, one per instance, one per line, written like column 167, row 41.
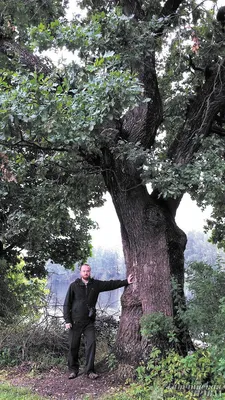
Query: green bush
column 206, row 304
column 155, row 324
column 160, row 329
column 200, row 375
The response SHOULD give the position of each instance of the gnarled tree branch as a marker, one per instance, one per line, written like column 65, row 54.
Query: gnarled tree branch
column 206, row 105
column 15, row 51
column 170, row 7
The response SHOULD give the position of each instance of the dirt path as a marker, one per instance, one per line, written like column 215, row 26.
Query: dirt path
column 56, row 385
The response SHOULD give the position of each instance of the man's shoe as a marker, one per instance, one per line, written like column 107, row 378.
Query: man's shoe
column 92, row 375
column 73, row 375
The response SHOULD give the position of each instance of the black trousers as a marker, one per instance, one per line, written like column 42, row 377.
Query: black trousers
column 88, row 330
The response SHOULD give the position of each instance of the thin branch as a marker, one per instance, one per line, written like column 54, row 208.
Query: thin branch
column 203, row 111
column 168, row 13
column 26, row 143
column 170, row 7
column 218, row 130
column 27, row 59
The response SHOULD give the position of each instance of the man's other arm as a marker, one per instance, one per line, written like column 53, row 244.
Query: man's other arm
column 67, row 307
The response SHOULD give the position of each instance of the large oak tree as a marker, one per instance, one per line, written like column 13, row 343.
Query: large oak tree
column 142, row 104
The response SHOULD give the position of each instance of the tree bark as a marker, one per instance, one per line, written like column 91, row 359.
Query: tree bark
column 153, row 247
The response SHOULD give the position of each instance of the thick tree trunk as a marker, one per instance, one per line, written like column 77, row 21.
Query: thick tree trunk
column 153, row 247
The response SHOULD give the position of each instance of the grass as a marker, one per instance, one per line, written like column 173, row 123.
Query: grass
column 8, row 392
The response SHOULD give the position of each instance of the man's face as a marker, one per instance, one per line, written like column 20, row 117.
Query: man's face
column 85, row 272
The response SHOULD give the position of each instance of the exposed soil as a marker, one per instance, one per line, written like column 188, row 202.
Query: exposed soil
column 55, row 384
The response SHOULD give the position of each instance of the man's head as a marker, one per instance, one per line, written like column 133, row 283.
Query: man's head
column 85, row 271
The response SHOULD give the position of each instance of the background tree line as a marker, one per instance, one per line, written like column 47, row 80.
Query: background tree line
column 109, row 263
column 20, row 293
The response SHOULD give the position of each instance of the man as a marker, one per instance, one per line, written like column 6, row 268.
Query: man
column 79, row 315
